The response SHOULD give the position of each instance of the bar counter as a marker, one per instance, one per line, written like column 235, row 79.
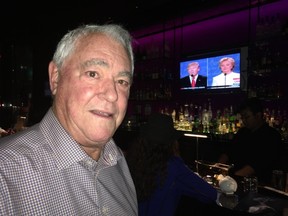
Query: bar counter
column 207, row 148
column 191, row 148
column 265, row 202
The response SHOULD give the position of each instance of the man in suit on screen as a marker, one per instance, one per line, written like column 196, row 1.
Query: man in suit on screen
column 193, row 80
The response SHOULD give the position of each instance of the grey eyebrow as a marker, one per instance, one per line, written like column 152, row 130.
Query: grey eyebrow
column 125, row 74
column 101, row 62
column 90, row 62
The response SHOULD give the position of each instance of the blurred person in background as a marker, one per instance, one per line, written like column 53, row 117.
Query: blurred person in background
column 257, row 148
column 160, row 175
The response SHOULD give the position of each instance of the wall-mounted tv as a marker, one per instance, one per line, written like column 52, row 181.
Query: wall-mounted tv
column 218, row 71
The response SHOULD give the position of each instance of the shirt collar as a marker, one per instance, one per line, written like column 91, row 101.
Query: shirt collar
column 195, row 77
column 66, row 150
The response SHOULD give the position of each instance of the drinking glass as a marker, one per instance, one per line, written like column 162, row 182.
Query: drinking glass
column 250, row 184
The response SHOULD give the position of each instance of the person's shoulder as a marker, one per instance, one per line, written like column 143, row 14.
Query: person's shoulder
column 235, row 74
column 20, row 143
column 178, row 165
column 271, row 130
column 243, row 131
column 176, row 161
column 218, row 76
column 185, row 77
column 202, row 76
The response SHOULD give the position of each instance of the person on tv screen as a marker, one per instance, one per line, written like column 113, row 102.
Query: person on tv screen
column 227, row 77
column 193, row 79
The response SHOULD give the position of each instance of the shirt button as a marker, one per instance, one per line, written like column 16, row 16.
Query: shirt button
column 105, row 210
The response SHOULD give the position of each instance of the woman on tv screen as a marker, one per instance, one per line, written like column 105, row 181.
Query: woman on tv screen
column 227, row 77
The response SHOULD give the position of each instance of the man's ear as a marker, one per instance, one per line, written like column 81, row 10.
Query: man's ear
column 53, row 77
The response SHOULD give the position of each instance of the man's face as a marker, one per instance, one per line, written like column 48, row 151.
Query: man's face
column 249, row 119
column 92, row 89
column 193, row 70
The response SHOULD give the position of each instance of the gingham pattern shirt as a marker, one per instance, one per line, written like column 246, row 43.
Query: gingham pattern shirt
column 43, row 171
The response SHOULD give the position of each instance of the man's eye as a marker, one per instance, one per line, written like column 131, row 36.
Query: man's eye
column 92, row 74
column 123, row 82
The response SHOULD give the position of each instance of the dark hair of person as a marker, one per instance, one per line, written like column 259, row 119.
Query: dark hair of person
column 253, row 104
column 147, row 161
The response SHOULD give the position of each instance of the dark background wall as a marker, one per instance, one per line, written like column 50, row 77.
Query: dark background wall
column 261, row 28
column 159, row 48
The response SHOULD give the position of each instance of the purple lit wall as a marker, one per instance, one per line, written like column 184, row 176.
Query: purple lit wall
column 190, row 35
column 228, row 27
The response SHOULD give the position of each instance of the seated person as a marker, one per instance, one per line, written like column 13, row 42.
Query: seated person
column 256, row 149
column 200, row 81
column 159, row 173
column 227, row 77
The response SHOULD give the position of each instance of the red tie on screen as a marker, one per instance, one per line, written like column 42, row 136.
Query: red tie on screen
column 193, row 83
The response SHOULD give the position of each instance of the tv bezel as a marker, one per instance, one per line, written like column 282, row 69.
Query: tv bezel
column 241, row 67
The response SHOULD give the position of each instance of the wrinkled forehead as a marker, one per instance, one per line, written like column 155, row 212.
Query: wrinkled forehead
column 99, row 43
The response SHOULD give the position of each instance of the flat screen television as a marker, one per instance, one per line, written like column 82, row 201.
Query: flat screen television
column 210, row 68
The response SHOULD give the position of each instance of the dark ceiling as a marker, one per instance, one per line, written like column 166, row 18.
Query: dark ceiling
column 48, row 21
column 26, row 18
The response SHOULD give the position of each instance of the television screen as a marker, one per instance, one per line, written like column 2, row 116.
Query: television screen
column 217, row 71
